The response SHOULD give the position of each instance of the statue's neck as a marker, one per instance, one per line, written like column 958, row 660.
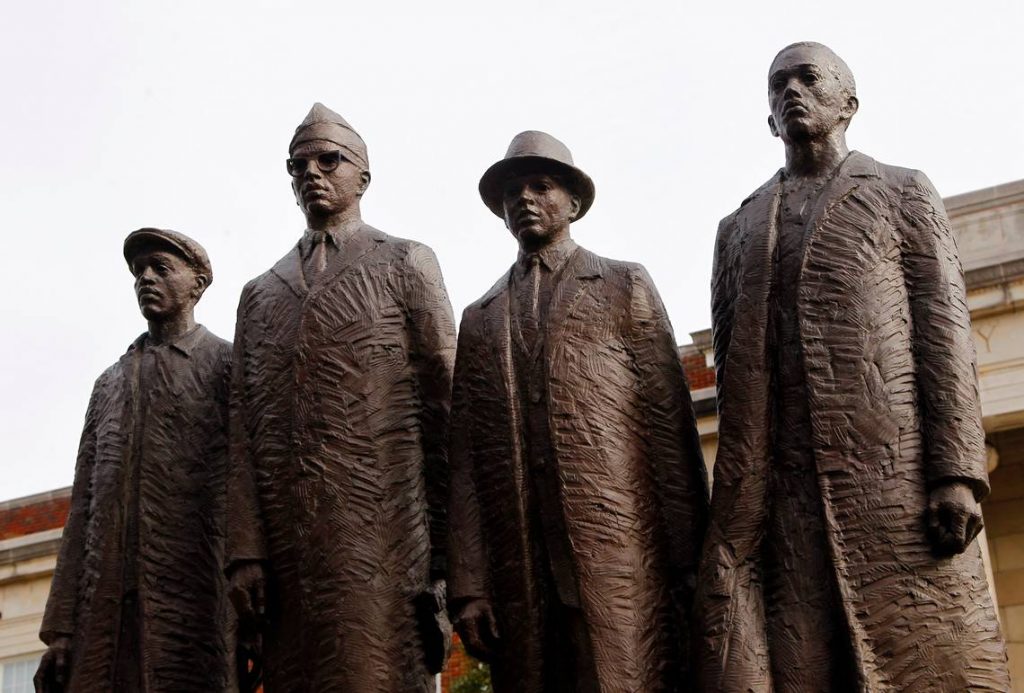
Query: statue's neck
column 533, row 244
column 816, row 158
column 166, row 331
column 343, row 222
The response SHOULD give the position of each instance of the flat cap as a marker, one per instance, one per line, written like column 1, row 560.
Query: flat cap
column 179, row 243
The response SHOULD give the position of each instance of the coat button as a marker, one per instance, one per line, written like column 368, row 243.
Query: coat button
column 535, row 396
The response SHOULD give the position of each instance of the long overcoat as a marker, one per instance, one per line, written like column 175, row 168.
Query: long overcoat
column 632, row 485
column 173, row 430
column 893, row 397
column 340, row 399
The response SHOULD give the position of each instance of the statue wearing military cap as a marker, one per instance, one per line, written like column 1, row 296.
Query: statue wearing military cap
column 341, row 388
column 578, row 490
column 139, row 579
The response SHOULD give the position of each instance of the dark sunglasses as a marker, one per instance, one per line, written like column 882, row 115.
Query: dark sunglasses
column 326, row 162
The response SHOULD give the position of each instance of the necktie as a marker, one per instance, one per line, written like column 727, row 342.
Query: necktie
column 529, row 296
column 316, row 262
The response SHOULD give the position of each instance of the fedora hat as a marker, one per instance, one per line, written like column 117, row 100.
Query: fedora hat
column 535, row 152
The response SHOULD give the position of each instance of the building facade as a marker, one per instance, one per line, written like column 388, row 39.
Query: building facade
column 989, row 225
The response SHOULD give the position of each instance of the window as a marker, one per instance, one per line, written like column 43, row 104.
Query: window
column 16, row 674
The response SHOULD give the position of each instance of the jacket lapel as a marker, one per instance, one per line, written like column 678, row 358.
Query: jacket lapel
column 363, row 241
column 744, row 425
column 495, row 314
column 497, row 336
column 847, row 179
column 289, row 270
column 579, row 274
column 757, row 224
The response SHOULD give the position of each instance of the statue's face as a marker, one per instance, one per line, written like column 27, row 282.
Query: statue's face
column 323, row 193
column 165, row 284
column 806, row 98
column 537, row 206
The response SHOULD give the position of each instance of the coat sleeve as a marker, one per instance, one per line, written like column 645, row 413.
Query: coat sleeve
column 467, row 558
column 672, row 429
column 943, row 348
column 432, row 327
column 59, row 616
column 245, row 539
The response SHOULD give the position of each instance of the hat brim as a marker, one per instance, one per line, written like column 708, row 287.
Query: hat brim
column 493, row 180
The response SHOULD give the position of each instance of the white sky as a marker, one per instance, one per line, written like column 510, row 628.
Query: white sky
column 178, row 115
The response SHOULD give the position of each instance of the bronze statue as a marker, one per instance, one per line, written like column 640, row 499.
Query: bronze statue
column 340, row 398
column 578, row 489
column 851, row 462
column 139, row 600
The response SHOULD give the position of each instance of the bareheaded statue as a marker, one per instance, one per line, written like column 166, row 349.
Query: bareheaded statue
column 841, row 552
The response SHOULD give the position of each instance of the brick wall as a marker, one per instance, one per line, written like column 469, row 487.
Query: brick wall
column 34, row 514
column 697, row 371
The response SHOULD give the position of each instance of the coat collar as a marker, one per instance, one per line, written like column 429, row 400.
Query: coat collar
column 582, row 264
column 289, row 268
column 553, row 257
column 856, row 165
column 755, row 206
column 353, row 248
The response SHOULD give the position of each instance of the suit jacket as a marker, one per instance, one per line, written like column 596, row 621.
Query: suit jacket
column 632, row 482
column 340, row 397
column 893, row 396
column 169, row 433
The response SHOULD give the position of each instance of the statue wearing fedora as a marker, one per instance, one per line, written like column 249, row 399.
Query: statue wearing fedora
column 578, row 494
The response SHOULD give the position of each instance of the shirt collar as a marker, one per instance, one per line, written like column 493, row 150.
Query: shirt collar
column 335, row 236
column 185, row 344
column 552, row 257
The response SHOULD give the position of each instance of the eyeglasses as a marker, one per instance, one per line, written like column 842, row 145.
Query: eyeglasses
column 326, row 162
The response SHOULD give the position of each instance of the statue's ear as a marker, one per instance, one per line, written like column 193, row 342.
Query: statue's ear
column 852, row 104
column 771, row 126
column 364, row 182
column 202, row 281
column 574, row 208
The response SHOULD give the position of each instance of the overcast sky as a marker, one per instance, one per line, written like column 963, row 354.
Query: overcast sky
column 178, row 115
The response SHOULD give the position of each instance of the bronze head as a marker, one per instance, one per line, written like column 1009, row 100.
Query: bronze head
column 811, row 93
column 171, row 272
column 537, row 189
column 328, row 164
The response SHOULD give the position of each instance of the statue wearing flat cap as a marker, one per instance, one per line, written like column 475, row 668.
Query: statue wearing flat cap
column 340, row 394
column 578, row 493
column 841, row 554
column 138, row 600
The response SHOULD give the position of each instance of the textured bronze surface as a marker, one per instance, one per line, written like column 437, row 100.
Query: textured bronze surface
column 851, row 462
column 340, row 397
column 578, row 489
column 138, row 600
